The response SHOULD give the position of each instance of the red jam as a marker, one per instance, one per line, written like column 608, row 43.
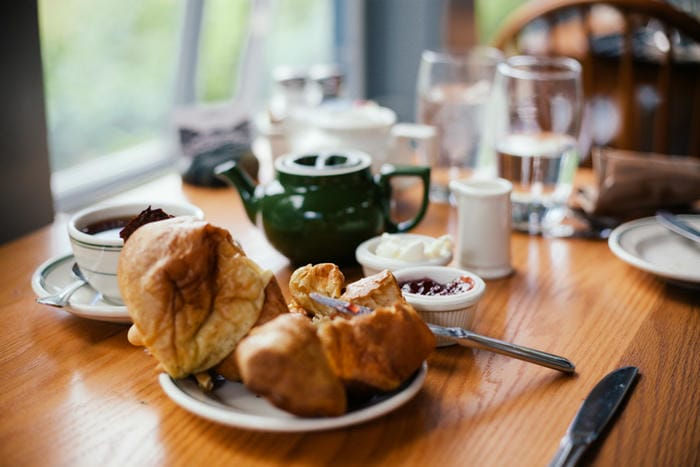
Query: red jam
column 429, row 287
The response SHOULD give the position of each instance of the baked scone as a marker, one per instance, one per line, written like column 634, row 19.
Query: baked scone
column 324, row 278
column 376, row 351
column 191, row 292
column 283, row 361
column 273, row 306
column 377, row 290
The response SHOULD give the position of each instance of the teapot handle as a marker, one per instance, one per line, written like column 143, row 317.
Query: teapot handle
column 383, row 180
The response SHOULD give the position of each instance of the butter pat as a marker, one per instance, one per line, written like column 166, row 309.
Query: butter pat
column 412, row 249
column 400, row 250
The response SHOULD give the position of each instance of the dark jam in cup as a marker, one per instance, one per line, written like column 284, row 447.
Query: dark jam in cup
column 429, row 287
column 115, row 223
column 123, row 227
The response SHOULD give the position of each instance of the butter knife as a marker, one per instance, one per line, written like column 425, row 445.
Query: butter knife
column 466, row 338
column 676, row 225
column 593, row 415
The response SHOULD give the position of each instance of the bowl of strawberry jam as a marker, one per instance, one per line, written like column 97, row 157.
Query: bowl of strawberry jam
column 442, row 295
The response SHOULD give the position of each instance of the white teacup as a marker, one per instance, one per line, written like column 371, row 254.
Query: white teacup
column 369, row 128
column 97, row 252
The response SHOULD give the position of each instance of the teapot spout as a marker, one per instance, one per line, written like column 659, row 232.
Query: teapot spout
column 232, row 174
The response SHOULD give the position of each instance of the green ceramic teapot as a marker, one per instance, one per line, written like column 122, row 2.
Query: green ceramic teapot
column 320, row 207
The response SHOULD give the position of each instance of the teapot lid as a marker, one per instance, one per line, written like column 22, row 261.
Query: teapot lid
column 323, row 163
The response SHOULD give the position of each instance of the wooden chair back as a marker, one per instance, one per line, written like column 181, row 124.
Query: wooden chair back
column 641, row 67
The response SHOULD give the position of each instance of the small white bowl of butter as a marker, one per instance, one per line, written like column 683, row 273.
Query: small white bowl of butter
column 397, row 251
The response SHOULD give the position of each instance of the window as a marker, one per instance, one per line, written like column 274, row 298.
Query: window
column 114, row 72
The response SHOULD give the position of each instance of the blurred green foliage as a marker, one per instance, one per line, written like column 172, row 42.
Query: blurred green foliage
column 223, row 35
column 109, row 65
column 108, row 73
column 491, row 13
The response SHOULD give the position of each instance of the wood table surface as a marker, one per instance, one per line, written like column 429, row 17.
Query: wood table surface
column 75, row 392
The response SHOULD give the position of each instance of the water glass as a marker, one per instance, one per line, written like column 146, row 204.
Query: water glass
column 452, row 92
column 535, row 116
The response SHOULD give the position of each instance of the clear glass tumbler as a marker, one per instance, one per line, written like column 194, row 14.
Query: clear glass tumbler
column 535, row 119
column 452, row 93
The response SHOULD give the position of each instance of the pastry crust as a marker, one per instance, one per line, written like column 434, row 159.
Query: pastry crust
column 190, row 291
column 273, row 306
column 324, row 278
column 376, row 351
column 283, row 361
column 378, row 290
column 371, row 352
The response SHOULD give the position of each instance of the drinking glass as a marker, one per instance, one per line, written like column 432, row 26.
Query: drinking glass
column 535, row 119
column 452, row 92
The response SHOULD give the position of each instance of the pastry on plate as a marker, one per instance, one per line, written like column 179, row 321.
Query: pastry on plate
column 377, row 290
column 284, row 362
column 324, row 278
column 191, row 292
column 377, row 351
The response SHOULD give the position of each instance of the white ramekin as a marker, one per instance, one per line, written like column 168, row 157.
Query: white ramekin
column 448, row 310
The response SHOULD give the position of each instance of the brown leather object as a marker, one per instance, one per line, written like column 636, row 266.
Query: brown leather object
column 376, row 351
column 190, row 291
column 631, row 184
column 283, row 361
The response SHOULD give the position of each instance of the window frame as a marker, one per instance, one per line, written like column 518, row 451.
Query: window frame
column 76, row 187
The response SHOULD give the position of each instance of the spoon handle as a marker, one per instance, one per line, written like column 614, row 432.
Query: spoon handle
column 466, row 338
column 60, row 299
column 538, row 357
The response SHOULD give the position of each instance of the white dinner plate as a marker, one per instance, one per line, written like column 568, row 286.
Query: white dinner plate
column 647, row 245
column 55, row 274
column 234, row 405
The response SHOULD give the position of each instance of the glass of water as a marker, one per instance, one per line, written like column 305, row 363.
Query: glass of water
column 535, row 116
column 451, row 94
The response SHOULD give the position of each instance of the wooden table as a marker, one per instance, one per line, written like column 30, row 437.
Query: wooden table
column 75, row 392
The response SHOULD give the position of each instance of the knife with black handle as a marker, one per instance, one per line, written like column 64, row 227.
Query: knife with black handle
column 593, row 415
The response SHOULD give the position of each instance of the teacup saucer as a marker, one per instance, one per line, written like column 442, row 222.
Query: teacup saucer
column 54, row 274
